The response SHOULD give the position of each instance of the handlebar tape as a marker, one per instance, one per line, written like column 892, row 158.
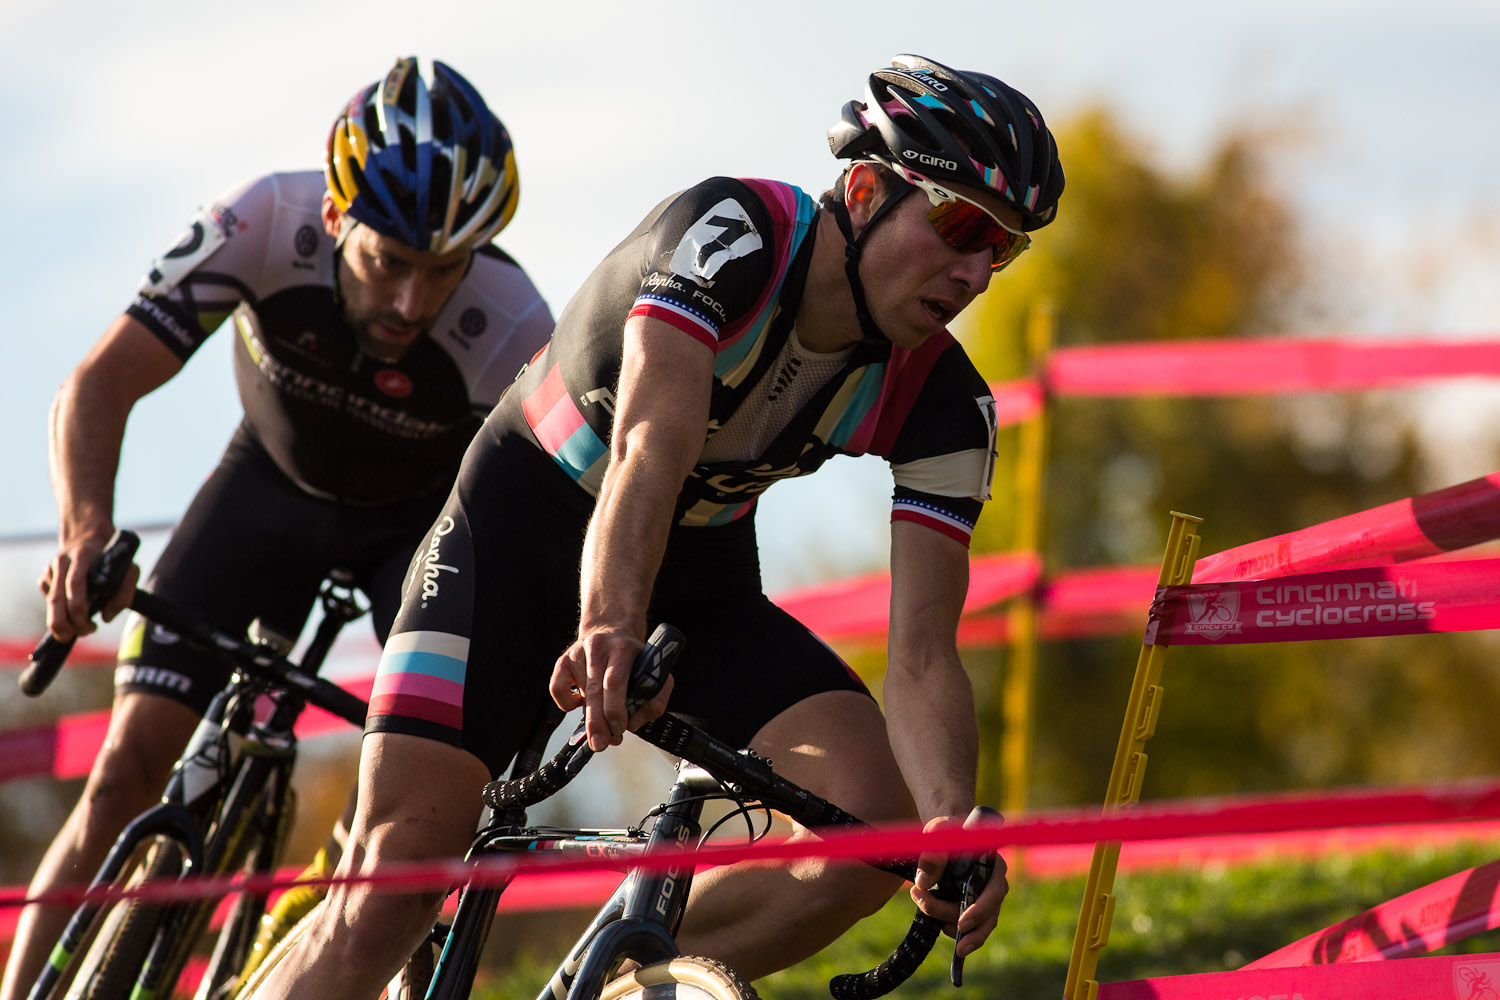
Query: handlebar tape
column 104, row 578
column 647, row 676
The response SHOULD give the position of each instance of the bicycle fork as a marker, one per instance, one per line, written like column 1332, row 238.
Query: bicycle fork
column 197, row 774
column 641, row 918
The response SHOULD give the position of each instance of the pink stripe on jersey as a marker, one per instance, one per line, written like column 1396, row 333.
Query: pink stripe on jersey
column 905, row 374
column 551, row 413
column 536, row 405
column 777, row 197
column 780, row 200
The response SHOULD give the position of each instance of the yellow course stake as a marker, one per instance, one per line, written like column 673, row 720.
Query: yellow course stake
column 1016, row 697
column 1127, row 774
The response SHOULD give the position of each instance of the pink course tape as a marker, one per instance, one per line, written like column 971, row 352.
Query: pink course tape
column 1240, row 367
column 1441, row 521
column 1459, row 977
column 1243, row 366
column 1449, row 802
column 1409, row 599
column 1420, row 921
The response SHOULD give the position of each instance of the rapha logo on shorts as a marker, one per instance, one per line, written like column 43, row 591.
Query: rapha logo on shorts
column 723, row 233
column 1213, row 613
column 429, row 567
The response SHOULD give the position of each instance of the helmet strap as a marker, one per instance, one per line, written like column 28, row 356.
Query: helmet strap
column 346, row 226
column 853, row 247
column 347, row 223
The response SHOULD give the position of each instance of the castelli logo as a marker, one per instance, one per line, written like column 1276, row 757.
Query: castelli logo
column 393, row 383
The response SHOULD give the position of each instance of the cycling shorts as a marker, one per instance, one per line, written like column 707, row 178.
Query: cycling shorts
column 254, row 545
column 491, row 601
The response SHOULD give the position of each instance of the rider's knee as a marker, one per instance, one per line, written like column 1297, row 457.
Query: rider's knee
column 133, row 764
column 873, row 891
column 853, row 891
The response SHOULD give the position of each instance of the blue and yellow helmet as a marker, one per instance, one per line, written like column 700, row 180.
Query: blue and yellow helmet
column 423, row 160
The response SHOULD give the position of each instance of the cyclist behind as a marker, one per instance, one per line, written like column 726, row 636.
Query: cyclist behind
column 741, row 334
column 375, row 325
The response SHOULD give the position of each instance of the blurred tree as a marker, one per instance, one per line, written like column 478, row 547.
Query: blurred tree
column 1138, row 254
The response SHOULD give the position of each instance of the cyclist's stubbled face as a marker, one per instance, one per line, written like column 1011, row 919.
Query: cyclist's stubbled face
column 391, row 293
column 915, row 282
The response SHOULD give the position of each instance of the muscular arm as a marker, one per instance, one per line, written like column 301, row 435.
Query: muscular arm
column 929, row 702
column 930, row 711
column 84, row 435
column 661, row 413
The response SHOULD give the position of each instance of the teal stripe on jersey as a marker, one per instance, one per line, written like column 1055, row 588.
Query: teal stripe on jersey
column 745, row 339
column 730, row 357
column 729, row 514
column 871, row 381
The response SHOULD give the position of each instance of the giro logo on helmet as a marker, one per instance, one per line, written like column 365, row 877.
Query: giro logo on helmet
column 927, row 77
column 931, row 161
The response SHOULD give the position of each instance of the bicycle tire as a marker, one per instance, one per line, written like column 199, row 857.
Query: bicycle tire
column 255, row 851
column 687, row 977
column 116, row 958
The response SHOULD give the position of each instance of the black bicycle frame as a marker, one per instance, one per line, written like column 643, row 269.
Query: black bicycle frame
column 638, row 921
column 261, row 756
column 641, row 918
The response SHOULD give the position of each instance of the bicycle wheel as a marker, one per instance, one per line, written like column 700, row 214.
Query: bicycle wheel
column 685, row 978
column 254, row 851
column 112, row 963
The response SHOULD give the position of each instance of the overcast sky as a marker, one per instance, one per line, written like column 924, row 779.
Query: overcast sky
column 121, row 119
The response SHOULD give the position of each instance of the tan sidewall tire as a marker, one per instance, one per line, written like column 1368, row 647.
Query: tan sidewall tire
column 712, row 977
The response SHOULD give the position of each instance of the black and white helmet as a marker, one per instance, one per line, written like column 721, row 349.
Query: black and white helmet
column 922, row 119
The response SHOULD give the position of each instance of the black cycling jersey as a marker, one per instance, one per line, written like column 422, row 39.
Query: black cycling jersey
column 337, row 422
column 724, row 262
column 340, row 461
column 491, row 597
column 252, row 545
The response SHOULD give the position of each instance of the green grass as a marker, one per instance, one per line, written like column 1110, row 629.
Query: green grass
column 1166, row 923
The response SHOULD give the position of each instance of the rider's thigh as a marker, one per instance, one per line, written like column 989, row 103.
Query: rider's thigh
column 146, row 735
column 835, row 745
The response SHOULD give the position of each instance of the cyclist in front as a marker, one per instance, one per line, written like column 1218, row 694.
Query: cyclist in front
column 375, row 324
column 741, row 334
